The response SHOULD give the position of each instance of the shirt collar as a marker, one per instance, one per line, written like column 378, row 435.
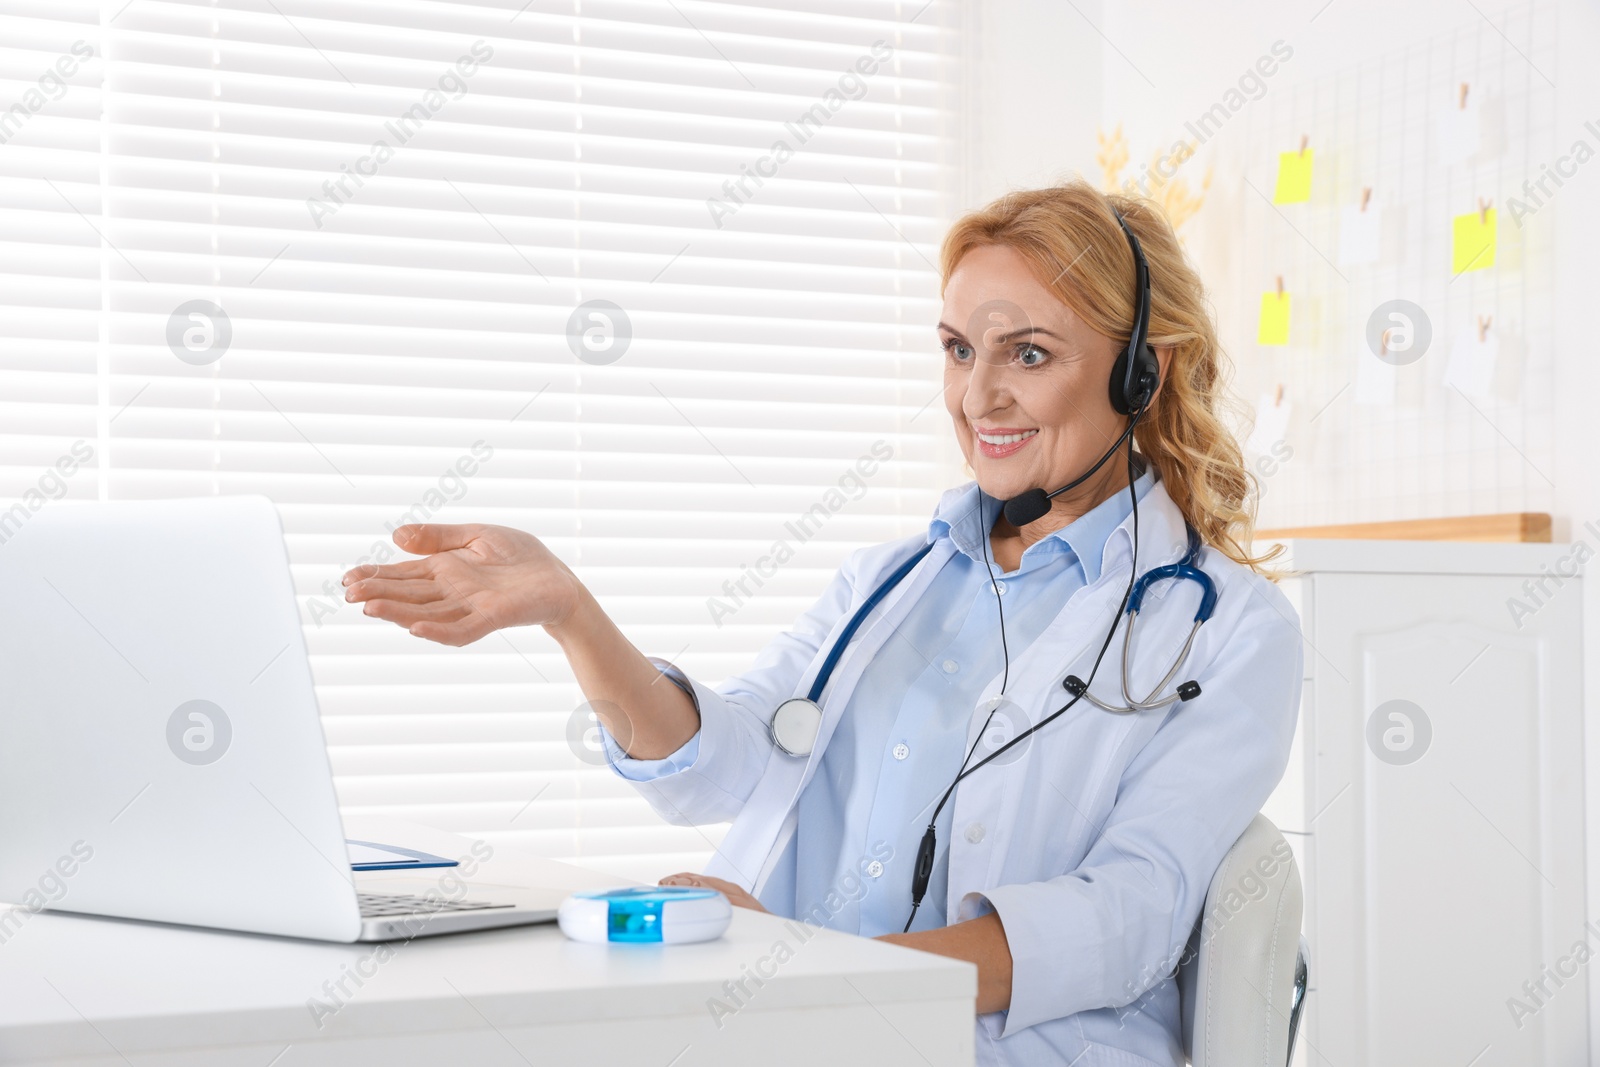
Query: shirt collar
column 956, row 518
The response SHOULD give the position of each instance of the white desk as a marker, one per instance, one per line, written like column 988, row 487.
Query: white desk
column 80, row 991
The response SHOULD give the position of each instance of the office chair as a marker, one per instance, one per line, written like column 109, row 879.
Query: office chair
column 1242, row 980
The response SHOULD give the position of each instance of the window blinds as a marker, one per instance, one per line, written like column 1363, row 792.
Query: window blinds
column 651, row 279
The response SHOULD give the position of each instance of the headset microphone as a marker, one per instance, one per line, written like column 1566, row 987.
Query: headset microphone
column 1021, row 510
column 1035, row 503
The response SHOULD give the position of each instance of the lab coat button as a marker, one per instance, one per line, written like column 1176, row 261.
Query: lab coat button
column 901, row 751
column 975, row 833
column 874, row 869
column 950, row 666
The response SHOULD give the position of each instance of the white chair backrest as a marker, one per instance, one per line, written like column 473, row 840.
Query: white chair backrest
column 1236, row 983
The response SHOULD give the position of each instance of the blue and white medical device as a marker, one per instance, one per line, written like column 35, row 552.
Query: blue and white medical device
column 660, row 914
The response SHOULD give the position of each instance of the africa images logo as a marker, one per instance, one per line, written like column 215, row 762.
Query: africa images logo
column 199, row 732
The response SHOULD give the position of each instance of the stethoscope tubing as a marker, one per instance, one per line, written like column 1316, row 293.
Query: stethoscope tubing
column 1146, row 704
column 820, row 682
column 1183, row 570
column 795, row 722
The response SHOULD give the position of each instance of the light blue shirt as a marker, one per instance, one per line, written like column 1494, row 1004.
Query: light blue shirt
column 903, row 734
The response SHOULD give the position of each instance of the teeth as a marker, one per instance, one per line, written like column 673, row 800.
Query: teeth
column 1005, row 438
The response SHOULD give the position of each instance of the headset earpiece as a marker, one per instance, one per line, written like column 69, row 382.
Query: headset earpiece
column 1137, row 372
column 1147, row 374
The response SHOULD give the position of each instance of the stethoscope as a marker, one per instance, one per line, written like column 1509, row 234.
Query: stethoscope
column 796, row 722
column 1183, row 570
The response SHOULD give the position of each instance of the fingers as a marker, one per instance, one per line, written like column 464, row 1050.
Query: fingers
column 462, row 632
column 411, row 568
column 406, row 591
column 425, row 538
column 408, row 615
column 429, row 607
column 420, row 539
column 737, row 895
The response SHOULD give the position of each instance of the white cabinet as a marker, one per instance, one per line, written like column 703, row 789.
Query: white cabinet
column 1436, row 801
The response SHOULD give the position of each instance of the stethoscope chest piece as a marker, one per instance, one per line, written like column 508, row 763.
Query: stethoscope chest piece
column 795, row 726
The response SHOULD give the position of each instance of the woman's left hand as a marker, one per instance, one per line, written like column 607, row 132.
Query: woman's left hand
column 735, row 894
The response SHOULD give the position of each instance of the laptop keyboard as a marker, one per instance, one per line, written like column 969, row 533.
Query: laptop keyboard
column 378, row 905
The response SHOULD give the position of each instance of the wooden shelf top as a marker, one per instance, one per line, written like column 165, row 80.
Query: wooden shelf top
column 1525, row 526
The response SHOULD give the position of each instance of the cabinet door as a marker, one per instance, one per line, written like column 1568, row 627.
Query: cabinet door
column 1447, row 839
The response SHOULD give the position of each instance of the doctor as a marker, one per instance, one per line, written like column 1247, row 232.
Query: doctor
column 1065, row 848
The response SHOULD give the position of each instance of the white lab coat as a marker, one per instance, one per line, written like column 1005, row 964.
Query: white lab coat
column 1097, row 846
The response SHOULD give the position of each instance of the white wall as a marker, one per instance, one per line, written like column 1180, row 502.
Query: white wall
column 1033, row 94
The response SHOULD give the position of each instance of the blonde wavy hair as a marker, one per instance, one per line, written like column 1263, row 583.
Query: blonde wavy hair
column 1069, row 233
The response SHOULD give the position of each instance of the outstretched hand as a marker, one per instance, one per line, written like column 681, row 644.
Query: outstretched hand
column 471, row 580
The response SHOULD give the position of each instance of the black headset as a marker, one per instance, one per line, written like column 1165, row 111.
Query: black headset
column 1136, row 372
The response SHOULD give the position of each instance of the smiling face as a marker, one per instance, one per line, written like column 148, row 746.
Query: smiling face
column 1026, row 383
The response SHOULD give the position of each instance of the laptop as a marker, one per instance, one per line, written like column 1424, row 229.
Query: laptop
column 163, row 757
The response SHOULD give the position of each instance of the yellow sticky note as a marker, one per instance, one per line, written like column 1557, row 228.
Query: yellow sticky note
column 1294, row 178
column 1273, row 328
column 1472, row 244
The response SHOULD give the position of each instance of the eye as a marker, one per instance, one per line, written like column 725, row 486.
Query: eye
column 1032, row 356
column 956, row 349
